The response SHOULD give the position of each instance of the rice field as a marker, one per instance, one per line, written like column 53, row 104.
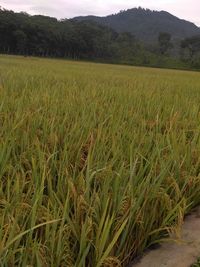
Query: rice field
column 97, row 162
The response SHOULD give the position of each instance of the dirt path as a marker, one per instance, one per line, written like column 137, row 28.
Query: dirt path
column 177, row 255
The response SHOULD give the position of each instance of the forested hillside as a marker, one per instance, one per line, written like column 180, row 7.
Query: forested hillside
column 38, row 35
column 145, row 24
column 45, row 36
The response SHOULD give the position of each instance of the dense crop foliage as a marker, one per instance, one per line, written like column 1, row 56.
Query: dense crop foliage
column 97, row 162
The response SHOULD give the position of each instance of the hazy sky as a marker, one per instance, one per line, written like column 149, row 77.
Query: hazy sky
column 186, row 9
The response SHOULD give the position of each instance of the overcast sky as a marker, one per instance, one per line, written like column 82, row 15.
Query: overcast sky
column 186, row 9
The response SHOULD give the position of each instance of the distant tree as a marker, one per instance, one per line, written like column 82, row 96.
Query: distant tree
column 192, row 45
column 164, row 41
column 21, row 40
column 190, row 50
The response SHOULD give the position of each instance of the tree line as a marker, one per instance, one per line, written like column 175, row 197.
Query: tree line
column 45, row 36
column 38, row 35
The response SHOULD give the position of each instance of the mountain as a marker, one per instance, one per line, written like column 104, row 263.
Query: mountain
column 146, row 24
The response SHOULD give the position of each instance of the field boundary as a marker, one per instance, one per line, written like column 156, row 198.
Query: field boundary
column 183, row 253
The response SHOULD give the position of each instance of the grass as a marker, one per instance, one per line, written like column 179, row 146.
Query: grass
column 97, row 162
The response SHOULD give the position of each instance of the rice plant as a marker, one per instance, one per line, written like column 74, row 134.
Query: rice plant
column 97, row 162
